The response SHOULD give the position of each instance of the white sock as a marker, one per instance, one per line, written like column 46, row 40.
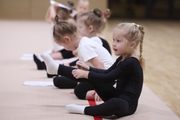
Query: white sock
column 73, row 108
column 51, row 65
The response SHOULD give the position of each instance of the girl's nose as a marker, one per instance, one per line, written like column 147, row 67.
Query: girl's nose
column 113, row 44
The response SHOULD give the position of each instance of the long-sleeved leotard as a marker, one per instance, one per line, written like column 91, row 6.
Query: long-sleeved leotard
column 123, row 99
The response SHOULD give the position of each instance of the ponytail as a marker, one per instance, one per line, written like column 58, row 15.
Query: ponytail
column 141, row 59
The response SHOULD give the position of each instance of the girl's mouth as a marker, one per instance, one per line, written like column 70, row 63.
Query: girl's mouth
column 114, row 49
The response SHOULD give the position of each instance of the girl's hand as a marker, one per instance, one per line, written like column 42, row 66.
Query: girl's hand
column 77, row 73
column 82, row 65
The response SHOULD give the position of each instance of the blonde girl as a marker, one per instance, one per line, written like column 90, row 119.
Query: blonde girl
column 121, row 100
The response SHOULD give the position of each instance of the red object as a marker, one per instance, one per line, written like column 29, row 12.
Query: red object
column 92, row 103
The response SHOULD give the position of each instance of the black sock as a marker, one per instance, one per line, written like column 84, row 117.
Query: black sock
column 38, row 63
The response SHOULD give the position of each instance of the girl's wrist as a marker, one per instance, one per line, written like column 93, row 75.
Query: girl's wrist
column 86, row 74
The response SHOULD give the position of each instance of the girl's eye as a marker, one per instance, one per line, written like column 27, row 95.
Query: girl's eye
column 118, row 41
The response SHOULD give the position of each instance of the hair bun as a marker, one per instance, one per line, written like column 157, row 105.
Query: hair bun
column 57, row 18
column 97, row 12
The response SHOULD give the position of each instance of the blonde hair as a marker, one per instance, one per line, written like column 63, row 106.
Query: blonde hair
column 93, row 18
column 134, row 32
column 62, row 28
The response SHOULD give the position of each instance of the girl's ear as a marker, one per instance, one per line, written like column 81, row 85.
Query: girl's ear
column 91, row 28
column 133, row 44
column 66, row 39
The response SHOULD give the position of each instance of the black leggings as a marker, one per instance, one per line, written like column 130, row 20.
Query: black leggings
column 66, row 54
column 64, row 82
column 80, row 89
column 112, row 104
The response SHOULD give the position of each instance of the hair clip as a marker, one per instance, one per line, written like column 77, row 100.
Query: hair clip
column 104, row 14
column 136, row 25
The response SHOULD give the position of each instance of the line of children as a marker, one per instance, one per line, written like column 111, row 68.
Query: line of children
column 65, row 13
column 93, row 54
column 58, row 52
column 121, row 100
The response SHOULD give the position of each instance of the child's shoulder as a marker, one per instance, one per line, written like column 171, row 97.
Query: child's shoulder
column 132, row 60
column 127, row 60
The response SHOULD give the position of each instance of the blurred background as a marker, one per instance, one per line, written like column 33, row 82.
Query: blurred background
column 151, row 9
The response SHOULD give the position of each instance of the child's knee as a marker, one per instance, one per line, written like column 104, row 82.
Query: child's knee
column 79, row 94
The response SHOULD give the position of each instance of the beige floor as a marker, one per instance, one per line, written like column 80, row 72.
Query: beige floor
column 161, row 47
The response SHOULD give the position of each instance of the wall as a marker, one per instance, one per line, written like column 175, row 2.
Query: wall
column 35, row 9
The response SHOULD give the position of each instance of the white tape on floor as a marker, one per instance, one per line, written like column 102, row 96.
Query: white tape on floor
column 38, row 83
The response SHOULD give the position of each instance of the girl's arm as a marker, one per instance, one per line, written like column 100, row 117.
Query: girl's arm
column 50, row 14
column 108, row 70
column 120, row 70
column 97, row 62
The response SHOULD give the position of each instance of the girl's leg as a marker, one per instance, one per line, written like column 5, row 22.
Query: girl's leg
column 56, row 55
column 114, row 106
column 39, row 63
column 73, row 63
column 64, row 82
column 81, row 90
column 51, row 65
column 62, row 54
column 106, row 91
column 55, row 68
column 66, row 54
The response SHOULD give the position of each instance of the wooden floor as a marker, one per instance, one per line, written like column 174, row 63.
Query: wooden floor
column 162, row 55
column 161, row 52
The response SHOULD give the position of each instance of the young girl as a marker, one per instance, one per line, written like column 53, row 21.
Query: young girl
column 89, row 52
column 82, row 7
column 58, row 52
column 121, row 100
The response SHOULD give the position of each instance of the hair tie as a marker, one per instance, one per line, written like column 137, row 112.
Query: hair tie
column 104, row 14
column 137, row 25
column 59, row 21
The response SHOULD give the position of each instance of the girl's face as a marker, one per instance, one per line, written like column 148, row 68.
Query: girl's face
column 67, row 43
column 82, row 7
column 82, row 28
column 120, row 44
